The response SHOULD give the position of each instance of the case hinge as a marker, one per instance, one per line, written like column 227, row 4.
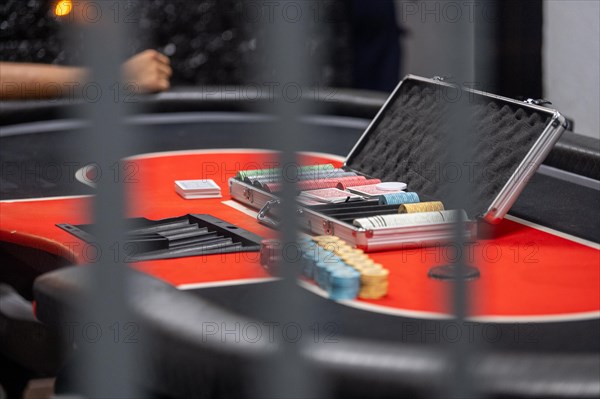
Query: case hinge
column 442, row 78
column 539, row 101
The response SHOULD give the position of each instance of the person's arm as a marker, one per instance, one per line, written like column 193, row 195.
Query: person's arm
column 24, row 81
column 146, row 72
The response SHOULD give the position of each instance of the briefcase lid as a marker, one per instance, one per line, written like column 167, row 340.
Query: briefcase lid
column 409, row 138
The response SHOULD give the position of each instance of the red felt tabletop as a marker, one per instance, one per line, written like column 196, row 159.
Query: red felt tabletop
column 525, row 270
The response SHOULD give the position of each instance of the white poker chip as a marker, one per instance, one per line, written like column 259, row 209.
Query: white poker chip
column 410, row 219
column 391, row 186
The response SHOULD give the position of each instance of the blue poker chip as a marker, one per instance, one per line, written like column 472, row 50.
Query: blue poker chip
column 343, row 293
column 340, row 295
column 330, row 270
column 321, row 274
column 344, row 284
column 399, row 198
column 321, row 251
column 343, row 280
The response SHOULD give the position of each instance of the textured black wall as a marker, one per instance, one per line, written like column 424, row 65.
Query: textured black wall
column 209, row 42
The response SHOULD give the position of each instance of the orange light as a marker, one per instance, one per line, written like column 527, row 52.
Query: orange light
column 63, row 7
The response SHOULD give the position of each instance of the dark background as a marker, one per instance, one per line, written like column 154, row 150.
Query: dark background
column 220, row 42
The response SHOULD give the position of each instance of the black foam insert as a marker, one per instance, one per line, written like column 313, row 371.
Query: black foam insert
column 407, row 142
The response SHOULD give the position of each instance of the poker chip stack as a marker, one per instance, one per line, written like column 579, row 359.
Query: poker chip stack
column 328, row 270
column 373, row 277
column 374, row 282
column 247, row 174
column 344, row 272
column 336, row 182
column 344, row 283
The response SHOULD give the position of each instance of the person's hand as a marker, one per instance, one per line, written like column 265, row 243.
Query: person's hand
column 149, row 71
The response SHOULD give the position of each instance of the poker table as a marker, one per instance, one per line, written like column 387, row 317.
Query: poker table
column 534, row 313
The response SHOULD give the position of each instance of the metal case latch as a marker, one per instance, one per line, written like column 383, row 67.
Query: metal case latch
column 263, row 215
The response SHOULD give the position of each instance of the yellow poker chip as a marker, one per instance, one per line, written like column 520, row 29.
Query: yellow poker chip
column 330, row 242
column 323, row 239
column 367, row 270
column 374, row 291
column 375, row 285
column 372, row 295
column 361, row 268
column 341, row 249
column 359, row 263
column 355, row 256
column 366, row 279
column 372, row 276
column 417, row 207
column 329, row 245
column 377, row 270
column 371, row 283
column 352, row 252
column 342, row 244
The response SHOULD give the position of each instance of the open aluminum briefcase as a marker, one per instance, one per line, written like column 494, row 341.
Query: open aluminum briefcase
column 405, row 142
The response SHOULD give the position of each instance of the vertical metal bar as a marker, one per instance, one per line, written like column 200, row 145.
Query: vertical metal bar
column 107, row 364
column 459, row 152
column 474, row 72
column 286, row 375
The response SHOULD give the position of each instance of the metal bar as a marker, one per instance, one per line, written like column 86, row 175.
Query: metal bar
column 107, row 363
column 471, row 71
column 286, row 375
column 459, row 152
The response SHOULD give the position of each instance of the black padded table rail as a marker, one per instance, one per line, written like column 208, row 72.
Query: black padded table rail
column 574, row 153
column 181, row 352
column 327, row 100
column 560, row 205
column 577, row 154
